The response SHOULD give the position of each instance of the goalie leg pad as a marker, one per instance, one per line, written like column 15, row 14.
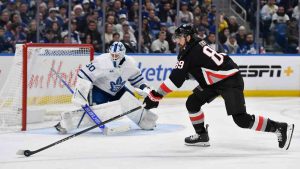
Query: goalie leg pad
column 144, row 118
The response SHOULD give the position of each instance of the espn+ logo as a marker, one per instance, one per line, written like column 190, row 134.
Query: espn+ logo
column 260, row 70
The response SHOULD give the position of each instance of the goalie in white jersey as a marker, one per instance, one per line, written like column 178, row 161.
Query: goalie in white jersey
column 101, row 84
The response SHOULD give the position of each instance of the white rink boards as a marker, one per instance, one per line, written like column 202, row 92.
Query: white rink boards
column 163, row 148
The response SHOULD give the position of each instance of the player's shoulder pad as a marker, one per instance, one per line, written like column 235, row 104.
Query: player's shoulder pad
column 104, row 56
column 130, row 60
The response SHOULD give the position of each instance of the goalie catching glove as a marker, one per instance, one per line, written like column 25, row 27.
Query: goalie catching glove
column 152, row 100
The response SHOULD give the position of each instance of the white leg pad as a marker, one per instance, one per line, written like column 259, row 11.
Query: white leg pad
column 70, row 120
column 145, row 119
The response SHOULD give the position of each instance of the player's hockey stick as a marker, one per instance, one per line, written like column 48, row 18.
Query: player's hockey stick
column 85, row 107
column 28, row 153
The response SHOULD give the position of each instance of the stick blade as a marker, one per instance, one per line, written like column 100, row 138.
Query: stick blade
column 20, row 152
column 26, row 153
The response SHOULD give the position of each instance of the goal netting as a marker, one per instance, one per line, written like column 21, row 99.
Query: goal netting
column 32, row 93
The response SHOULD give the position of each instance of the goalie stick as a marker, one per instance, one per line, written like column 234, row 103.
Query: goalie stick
column 87, row 109
column 28, row 153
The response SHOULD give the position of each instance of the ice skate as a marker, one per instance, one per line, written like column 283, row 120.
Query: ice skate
column 284, row 134
column 60, row 129
column 201, row 139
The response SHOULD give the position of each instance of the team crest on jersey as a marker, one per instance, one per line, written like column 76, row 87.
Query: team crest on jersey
column 116, row 86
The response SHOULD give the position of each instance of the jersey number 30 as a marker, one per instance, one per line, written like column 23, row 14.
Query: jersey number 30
column 216, row 57
column 91, row 67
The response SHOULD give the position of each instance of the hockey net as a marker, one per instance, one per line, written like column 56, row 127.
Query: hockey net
column 32, row 93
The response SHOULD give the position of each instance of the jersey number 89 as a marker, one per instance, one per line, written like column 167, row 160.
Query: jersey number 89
column 179, row 64
column 215, row 56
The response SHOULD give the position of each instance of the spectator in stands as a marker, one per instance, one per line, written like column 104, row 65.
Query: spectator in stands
column 25, row 14
column 233, row 24
column 118, row 26
column 117, row 8
column 160, row 45
column 32, row 32
column 185, row 16
column 212, row 17
column 116, row 38
column 169, row 37
column 15, row 35
column 111, row 20
column 55, row 27
column 80, row 18
column 154, row 21
column 279, row 28
column 95, row 35
column 249, row 47
column 222, row 23
column 280, row 17
column 62, row 14
column 108, row 36
column 128, row 43
column 197, row 12
column 146, row 36
column 65, row 39
column 166, row 14
column 231, row 44
column 53, row 18
column 133, row 13
column 202, row 33
column 293, row 36
column 241, row 36
column 126, row 29
column 194, row 4
column 224, row 35
column 87, row 6
column 4, row 19
column 49, row 37
column 43, row 10
column 267, row 12
column 75, row 35
column 11, row 7
column 4, row 46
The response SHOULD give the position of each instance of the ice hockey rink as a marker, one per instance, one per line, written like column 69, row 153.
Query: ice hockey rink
column 231, row 147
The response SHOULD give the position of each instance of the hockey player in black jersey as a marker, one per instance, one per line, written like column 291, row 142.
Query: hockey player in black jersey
column 217, row 75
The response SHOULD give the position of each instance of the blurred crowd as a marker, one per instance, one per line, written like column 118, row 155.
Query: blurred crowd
column 18, row 24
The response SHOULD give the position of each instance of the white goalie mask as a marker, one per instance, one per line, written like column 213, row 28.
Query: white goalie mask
column 117, row 51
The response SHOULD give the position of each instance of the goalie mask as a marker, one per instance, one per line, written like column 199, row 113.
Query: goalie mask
column 117, row 51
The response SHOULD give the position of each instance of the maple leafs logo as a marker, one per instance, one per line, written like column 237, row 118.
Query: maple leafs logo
column 116, row 86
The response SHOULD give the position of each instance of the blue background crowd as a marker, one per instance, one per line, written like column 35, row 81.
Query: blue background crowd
column 278, row 24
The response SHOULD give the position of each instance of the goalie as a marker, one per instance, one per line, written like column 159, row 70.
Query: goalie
column 101, row 84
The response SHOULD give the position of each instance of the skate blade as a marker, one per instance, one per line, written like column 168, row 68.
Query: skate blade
column 202, row 144
column 290, row 131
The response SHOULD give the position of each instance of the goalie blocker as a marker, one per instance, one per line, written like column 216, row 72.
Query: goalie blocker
column 143, row 118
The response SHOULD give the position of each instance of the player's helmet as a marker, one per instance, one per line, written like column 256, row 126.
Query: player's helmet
column 117, row 50
column 184, row 30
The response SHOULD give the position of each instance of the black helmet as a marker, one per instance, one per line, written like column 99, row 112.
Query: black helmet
column 185, row 30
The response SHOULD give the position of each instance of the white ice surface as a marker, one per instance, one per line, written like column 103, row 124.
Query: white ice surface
column 163, row 148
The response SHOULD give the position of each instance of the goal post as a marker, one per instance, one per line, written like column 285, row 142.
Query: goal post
column 31, row 86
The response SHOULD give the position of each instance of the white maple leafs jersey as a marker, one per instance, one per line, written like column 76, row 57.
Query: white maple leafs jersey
column 111, row 76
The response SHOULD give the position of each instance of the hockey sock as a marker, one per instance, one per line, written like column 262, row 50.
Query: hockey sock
column 259, row 123
column 197, row 120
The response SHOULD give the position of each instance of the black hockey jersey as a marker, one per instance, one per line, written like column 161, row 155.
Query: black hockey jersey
column 202, row 63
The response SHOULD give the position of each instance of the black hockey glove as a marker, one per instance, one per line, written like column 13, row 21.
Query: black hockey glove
column 152, row 100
